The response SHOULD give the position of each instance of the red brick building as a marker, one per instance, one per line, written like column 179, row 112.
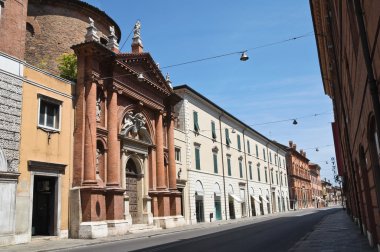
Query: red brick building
column 347, row 36
column 299, row 177
column 316, row 186
column 124, row 163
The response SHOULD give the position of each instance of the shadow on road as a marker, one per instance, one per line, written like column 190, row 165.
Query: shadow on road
column 278, row 234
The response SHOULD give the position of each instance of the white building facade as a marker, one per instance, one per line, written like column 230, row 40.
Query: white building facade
column 226, row 169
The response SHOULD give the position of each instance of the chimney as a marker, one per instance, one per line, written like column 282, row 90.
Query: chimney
column 137, row 46
column 295, row 146
column 112, row 41
column 291, row 144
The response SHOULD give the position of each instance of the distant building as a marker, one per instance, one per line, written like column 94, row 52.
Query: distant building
column 300, row 190
column 316, row 186
column 347, row 34
column 225, row 169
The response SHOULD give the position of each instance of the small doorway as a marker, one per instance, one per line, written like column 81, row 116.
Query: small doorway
column 199, row 208
column 218, row 208
column 279, row 203
column 261, row 206
column 231, row 207
column 253, row 206
column 274, row 202
column 44, row 206
column 268, row 205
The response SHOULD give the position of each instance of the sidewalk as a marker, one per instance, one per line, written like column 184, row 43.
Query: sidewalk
column 336, row 232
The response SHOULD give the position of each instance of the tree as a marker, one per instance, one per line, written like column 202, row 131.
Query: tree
column 67, row 65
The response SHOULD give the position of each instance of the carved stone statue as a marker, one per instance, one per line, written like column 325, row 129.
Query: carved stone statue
column 136, row 29
column 167, row 78
column 91, row 34
column 92, row 23
column 112, row 30
column 135, row 125
column 98, row 109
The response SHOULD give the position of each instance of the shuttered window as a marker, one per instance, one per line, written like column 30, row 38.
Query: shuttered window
column 213, row 130
column 196, row 123
column 250, row 171
column 215, row 162
column 238, row 142
column 229, row 166
column 241, row 169
column 228, row 140
column 197, row 159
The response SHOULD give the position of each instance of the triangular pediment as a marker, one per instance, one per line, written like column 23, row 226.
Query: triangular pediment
column 144, row 63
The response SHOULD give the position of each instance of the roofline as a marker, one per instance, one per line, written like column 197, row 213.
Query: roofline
column 184, row 86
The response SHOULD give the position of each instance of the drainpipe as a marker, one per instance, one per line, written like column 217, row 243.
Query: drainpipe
column 370, row 75
column 224, row 179
column 246, row 175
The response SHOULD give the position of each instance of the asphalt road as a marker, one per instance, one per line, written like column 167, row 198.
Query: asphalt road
column 274, row 234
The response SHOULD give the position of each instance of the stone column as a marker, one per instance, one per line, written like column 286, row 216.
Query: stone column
column 113, row 168
column 160, row 153
column 172, row 164
column 89, row 175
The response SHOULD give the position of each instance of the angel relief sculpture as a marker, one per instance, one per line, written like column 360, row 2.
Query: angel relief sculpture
column 134, row 127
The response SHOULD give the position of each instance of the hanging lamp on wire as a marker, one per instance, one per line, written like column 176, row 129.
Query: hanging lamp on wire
column 295, row 122
column 244, row 56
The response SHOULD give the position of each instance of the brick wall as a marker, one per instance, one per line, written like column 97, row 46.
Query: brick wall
column 12, row 27
column 54, row 26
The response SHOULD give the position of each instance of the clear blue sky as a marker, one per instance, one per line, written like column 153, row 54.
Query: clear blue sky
column 277, row 82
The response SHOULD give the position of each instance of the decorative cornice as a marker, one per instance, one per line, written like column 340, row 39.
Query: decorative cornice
column 46, row 167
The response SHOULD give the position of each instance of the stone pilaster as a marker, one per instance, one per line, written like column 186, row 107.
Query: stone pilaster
column 172, row 164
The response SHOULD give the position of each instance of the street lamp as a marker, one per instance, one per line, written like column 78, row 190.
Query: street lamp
column 244, row 56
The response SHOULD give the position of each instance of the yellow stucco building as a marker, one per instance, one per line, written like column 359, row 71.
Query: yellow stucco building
column 45, row 155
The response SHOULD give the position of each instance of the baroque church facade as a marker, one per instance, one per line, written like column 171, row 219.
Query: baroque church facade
column 124, row 166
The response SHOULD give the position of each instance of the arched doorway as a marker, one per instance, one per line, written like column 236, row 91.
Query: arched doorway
column 231, row 206
column 261, row 205
column 131, row 178
column 199, row 207
column 217, row 202
column 253, row 199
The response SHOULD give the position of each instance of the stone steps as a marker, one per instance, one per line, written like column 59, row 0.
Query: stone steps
column 140, row 228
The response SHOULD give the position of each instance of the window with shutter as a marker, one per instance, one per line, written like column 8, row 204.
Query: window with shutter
column 213, row 130
column 241, row 169
column 228, row 141
column 197, row 159
column 238, row 142
column 215, row 163
column 196, row 124
column 229, row 166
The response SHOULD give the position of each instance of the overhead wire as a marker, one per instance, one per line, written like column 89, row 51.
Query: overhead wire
column 216, row 56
